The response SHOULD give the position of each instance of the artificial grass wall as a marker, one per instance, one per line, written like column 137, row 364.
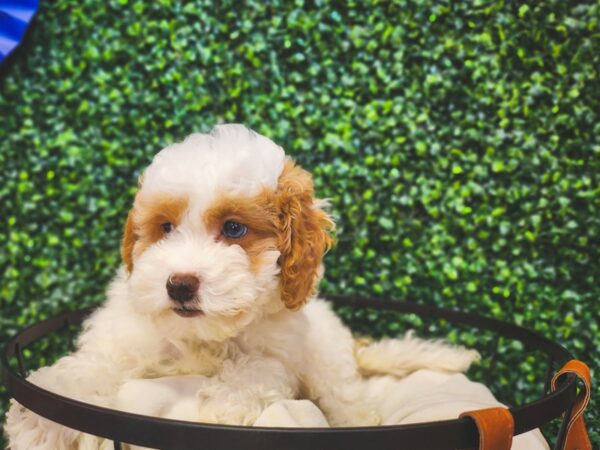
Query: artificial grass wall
column 458, row 143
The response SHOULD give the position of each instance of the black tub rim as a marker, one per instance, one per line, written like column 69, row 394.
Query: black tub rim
column 174, row 435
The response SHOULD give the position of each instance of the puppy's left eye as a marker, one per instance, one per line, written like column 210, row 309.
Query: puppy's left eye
column 167, row 227
column 234, row 230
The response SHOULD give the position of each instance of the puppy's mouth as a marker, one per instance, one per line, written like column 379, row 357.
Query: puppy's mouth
column 187, row 312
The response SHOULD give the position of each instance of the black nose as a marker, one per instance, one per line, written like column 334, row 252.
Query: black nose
column 182, row 287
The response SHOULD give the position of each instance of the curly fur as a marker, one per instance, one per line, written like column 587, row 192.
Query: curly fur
column 304, row 235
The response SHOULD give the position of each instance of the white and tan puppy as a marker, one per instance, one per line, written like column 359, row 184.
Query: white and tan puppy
column 209, row 318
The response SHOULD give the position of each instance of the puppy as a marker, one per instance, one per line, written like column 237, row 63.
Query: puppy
column 209, row 317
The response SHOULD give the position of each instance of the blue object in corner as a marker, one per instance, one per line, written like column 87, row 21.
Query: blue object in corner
column 15, row 16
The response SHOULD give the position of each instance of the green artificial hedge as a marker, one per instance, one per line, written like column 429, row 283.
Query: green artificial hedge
column 458, row 143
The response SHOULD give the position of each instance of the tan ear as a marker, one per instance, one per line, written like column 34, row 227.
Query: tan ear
column 129, row 238
column 304, row 235
column 129, row 234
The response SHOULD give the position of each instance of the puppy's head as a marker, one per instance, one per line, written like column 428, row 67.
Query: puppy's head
column 224, row 229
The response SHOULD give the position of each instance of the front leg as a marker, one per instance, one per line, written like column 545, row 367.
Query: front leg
column 88, row 377
column 26, row 430
column 244, row 389
column 238, row 395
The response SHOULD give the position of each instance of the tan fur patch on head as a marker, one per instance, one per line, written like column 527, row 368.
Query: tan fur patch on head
column 257, row 213
column 145, row 221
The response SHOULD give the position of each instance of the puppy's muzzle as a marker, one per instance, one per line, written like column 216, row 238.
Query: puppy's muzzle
column 183, row 287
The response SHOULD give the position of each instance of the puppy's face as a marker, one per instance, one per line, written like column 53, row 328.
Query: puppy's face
column 224, row 229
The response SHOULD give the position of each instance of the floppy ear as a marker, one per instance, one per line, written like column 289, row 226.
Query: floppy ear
column 304, row 235
column 129, row 235
column 129, row 238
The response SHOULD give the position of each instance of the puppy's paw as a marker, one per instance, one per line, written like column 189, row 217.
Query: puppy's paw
column 28, row 431
column 353, row 415
column 168, row 397
column 293, row 414
column 236, row 405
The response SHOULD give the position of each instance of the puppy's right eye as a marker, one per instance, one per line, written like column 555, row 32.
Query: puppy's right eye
column 167, row 227
column 234, row 230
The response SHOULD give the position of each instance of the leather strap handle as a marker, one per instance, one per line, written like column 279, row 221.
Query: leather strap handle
column 576, row 435
column 496, row 427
